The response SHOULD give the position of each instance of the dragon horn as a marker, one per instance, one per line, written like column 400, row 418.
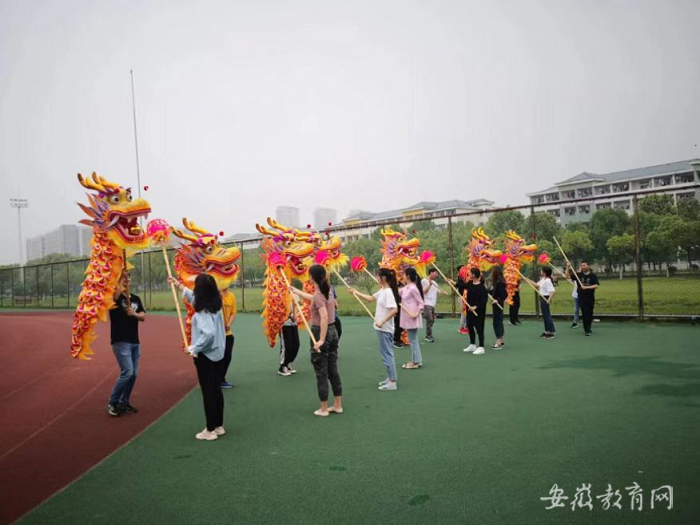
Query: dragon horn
column 90, row 183
column 104, row 182
column 193, row 227
column 276, row 225
column 264, row 231
column 183, row 235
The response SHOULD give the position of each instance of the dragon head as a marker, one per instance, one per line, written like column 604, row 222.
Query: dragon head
column 516, row 248
column 329, row 254
column 114, row 212
column 293, row 246
column 479, row 249
column 204, row 254
column 397, row 246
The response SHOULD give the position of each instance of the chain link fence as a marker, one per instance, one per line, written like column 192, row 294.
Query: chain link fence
column 645, row 255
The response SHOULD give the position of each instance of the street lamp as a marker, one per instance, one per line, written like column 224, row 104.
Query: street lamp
column 19, row 204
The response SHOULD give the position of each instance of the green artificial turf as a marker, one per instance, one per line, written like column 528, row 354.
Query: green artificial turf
column 474, row 439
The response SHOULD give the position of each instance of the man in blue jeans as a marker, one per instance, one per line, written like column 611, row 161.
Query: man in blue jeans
column 124, row 318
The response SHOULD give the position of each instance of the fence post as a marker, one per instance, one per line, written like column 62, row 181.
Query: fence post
column 242, row 279
column 36, row 274
column 12, row 288
column 533, row 234
column 52, row 300
column 638, row 258
column 150, row 282
column 24, row 285
column 68, row 284
column 452, row 262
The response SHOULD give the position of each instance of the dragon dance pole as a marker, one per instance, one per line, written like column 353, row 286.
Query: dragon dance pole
column 497, row 303
column 370, row 274
column 567, row 260
column 358, row 299
column 177, row 302
column 528, row 281
column 376, row 281
column 301, row 311
column 455, row 289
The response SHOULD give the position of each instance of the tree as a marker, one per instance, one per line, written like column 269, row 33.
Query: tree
column 621, row 249
column 688, row 209
column 685, row 234
column 502, row 221
column 658, row 204
column 577, row 245
column 661, row 248
column 422, row 226
column 605, row 224
column 543, row 225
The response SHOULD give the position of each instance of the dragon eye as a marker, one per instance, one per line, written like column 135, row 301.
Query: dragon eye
column 129, row 198
column 209, row 248
column 115, row 199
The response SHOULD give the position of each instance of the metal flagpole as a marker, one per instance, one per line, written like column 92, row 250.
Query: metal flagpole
column 138, row 174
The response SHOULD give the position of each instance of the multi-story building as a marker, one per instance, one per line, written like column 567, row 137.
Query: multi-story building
column 68, row 238
column 324, row 217
column 360, row 223
column 287, row 215
column 612, row 190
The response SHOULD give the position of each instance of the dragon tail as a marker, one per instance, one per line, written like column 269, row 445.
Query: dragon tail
column 275, row 304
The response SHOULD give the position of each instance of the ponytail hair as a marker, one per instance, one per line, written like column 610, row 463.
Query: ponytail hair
column 412, row 275
column 207, row 297
column 318, row 274
column 390, row 277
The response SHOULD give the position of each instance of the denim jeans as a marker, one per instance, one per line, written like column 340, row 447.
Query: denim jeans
column 127, row 355
column 416, row 356
column 386, row 350
column 547, row 316
column 576, row 309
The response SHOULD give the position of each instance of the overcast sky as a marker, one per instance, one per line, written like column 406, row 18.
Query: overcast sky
column 243, row 106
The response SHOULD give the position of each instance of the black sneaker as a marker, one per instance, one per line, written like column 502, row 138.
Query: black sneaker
column 589, row 334
column 128, row 409
column 544, row 334
column 113, row 410
column 549, row 336
column 574, row 325
column 398, row 345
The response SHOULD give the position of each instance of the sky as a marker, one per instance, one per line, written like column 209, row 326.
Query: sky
column 246, row 105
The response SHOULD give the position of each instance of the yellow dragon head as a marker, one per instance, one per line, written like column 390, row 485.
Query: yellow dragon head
column 293, row 246
column 515, row 247
column 115, row 213
column 204, row 254
column 329, row 255
column 479, row 250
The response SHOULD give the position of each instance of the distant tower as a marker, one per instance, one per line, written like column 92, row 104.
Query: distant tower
column 322, row 216
column 288, row 216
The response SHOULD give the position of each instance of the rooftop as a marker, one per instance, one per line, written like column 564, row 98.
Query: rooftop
column 423, row 205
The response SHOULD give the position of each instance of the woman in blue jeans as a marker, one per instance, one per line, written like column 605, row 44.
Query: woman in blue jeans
column 384, row 322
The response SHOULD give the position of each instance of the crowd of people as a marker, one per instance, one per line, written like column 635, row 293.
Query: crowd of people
column 400, row 308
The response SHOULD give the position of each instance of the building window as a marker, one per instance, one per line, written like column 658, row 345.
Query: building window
column 663, row 181
column 621, row 205
column 569, row 212
column 686, row 195
column 685, row 178
column 552, row 197
column 553, row 212
column 585, row 209
column 603, row 205
column 645, row 184
column 537, row 200
column 585, row 192
column 620, row 187
column 602, row 190
column 571, row 194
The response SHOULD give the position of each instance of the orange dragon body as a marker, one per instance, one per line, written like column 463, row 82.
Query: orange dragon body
column 286, row 254
column 203, row 254
column 516, row 254
column 113, row 215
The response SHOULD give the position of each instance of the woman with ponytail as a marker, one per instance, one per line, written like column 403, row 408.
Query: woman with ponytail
column 411, row 320
column 384, row 322
column 324, row 354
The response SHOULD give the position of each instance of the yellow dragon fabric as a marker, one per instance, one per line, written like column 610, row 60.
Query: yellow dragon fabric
column 113, row 215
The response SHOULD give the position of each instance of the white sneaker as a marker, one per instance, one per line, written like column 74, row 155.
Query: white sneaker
column 383, row 382
column 470, row 348
column 479, row 351
column 205, row 435
column 389, row 385
column 321, row 413
column 219, row 431
column 284, row 372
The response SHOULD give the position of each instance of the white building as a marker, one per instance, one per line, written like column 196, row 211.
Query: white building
column 68, row 238
column 361, row 223
column 678, row 174
column 323, row 216
column 288, row 216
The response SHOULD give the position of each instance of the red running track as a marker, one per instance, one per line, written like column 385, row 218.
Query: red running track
column 53, row 420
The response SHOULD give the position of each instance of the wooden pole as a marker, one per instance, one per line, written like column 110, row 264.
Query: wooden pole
column 177, row 302
column 528, row 281
column 358, row 299
column 497, row 303
column 455, row 289
column 370, row 274
column 301, row 311
column 567, row 260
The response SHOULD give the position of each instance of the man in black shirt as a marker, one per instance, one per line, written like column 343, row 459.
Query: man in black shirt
column 587, row 284
column 124, row 319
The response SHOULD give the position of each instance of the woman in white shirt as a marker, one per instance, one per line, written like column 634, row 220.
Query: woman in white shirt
column 546, row 288
column 384, row 322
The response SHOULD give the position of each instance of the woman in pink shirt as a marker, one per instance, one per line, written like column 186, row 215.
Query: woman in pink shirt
column 411, row 318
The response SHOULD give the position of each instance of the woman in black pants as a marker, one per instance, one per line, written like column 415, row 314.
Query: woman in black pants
column 476, row 314
column 498, row 298
column 324, row 353
column 514, row 308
